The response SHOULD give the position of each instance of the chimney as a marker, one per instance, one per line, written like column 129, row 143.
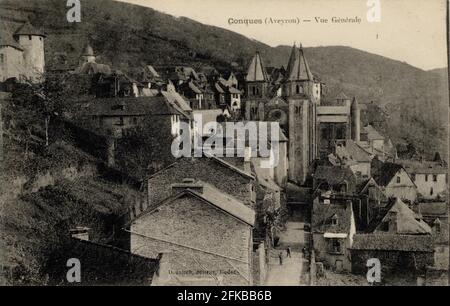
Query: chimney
column 187, row 183
column 393, row 228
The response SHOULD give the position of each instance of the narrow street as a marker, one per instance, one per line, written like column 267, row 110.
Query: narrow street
column 293, row 271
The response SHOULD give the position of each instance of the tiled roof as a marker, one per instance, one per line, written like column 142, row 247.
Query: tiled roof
column 227, row 203
column 407, row 220
column 424, row 167
column 214, row 196
column 94, row 68
column 358, row 153
column 194, row 88
column 130, row 107
column 28, row 29
column 256, row 71
column 297, row 68
column 383, row 173
column 296, row 193
column 372, row 133
column 323, row 213
column 178, row 102
column 234, row 90
column 386, row 242
column 333, row 175
column 431, row 208
column 6, row 37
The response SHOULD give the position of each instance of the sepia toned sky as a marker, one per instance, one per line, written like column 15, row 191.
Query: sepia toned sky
column 413, row 31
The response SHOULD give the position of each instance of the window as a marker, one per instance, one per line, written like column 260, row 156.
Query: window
column 121, row 121
column 2, row 58
column 335, row 246
column 413, row 177
column 434, row 178
column 431, row 191
column 335, row 220
column 437, row 226
column 398, row 180
column 426, row 177
column 29, row 37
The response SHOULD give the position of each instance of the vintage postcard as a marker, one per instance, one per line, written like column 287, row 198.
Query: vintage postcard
column 224, row 143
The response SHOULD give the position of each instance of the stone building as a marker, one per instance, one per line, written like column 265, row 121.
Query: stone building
column 21, row 53
column 394, row 180
column 294, row 100
column 203, row 234
column 430, row 177
column 333, row 227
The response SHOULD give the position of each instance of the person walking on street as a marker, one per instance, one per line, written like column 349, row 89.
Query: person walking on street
column 280, row 256
column 288, row 251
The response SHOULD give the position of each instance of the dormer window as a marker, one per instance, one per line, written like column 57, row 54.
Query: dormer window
column 334, row 220
column 437, row 226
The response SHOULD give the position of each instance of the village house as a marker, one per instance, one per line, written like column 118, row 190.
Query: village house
column 401, row 240
column 334, row 178
column 118, row 116
column 349, row 153
column 203, row 235
column 333, row 227
column 430, row 177
column 22, row 54
column 216, row 171
column 435, row 214
column 394, row 180
column 371, row 203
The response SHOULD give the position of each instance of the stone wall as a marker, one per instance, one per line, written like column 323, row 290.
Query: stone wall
column 204, row 245
column 392, row 261
column 206, row 169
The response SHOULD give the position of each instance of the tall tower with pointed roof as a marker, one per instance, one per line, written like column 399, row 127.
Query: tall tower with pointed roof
column 299, row 79
column 355, row 117
column 298, row 90
column 256, row 78
column 87, row 56
column 32, row 41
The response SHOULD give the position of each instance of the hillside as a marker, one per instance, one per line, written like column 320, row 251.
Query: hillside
column 125, row 36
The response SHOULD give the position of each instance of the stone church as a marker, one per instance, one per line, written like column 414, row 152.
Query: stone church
column 292, row 97
column 21, row 53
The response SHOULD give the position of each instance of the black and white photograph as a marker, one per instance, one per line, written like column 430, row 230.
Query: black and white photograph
column 224, row 143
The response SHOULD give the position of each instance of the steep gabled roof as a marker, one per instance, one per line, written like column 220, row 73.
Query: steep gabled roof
column 334, row 175
column 323, row 214
column 298, row 69
column 383, row 173
column 372, row 133
column 256, row 71
column 388, row 242
column 358, row 153
column 407, row 220
column 28, row 29
column 6, row 37
column 215, row 197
